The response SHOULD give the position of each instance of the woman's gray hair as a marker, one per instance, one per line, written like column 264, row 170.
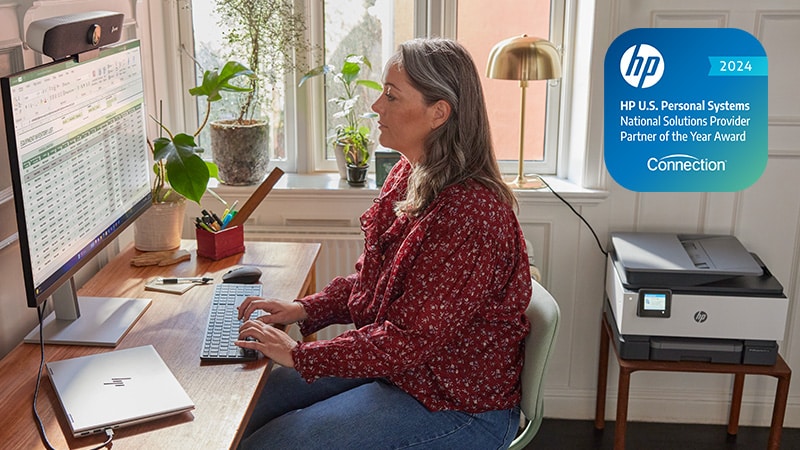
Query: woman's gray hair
column 461, row 148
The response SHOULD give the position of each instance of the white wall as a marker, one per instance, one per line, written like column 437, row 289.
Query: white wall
column 765, row 216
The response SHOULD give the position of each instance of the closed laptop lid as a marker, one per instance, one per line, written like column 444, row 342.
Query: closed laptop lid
column 115, row 389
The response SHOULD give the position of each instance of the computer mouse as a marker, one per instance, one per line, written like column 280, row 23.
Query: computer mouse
column 242, row 275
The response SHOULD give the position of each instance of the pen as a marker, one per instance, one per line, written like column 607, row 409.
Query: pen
column 230, row 209
column 199, row 223
column 179, row 280
column 226, row 219
column 217, row 220
column 210, row 223
column 212, row 220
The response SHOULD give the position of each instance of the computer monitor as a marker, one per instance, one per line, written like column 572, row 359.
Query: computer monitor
column 77, row 146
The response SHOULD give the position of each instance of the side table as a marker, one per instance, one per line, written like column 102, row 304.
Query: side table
column 779, row 370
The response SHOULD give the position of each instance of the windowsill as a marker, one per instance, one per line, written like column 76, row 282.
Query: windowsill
column 312, row 185
column 329, row 185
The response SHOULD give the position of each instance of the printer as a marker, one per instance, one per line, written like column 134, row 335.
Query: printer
column 692, row 297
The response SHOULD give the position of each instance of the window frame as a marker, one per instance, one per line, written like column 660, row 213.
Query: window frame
column 305, row 117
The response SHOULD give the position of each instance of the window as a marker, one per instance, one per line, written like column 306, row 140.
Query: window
column 299, row 122
column 372, row 28
column 509, row 18
column 213, row 47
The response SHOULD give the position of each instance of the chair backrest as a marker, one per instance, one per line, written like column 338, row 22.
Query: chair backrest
column 544, row 314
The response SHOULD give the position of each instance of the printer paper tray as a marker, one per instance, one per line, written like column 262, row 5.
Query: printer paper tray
column 665, row 348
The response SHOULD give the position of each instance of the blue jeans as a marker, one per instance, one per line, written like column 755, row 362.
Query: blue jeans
column 337, row 413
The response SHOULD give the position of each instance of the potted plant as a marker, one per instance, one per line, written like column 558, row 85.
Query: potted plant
column 180, row 171
column 266, row 33
column 355, row 145
column 351, row 137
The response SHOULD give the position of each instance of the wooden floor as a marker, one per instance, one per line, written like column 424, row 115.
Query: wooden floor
column 580, row 434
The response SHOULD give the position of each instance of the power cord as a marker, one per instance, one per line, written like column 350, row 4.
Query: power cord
column 109, row 432
column 42, row 432
column 602, row 250
column 109, row 435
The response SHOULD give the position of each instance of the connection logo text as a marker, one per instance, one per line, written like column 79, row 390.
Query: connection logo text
column 685, row 163
column 641, row 66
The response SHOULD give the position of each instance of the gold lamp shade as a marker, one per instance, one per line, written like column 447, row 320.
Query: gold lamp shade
column 524, row 58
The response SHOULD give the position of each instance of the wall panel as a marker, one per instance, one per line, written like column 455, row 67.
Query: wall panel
column 659, row 211
column 773, row 29
column 696, row 19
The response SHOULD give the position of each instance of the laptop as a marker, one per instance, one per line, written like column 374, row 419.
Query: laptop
column 116, row 389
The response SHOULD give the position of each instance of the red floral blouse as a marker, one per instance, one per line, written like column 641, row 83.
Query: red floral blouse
column 438, row 302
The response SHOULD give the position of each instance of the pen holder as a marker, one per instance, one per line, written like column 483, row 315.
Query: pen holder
column 221, row 244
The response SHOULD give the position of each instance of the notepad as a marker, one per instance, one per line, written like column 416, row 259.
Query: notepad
column 178, row 288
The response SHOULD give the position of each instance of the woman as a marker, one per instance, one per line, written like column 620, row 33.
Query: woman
column 438, row 297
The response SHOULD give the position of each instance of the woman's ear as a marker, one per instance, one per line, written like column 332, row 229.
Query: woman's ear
column 440, row 113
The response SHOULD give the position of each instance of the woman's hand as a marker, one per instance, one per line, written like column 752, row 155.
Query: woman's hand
column 272, row 342
column 279, row 312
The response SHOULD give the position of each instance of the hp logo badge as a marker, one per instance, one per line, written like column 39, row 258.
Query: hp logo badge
column 641, row 66
column 700, row 316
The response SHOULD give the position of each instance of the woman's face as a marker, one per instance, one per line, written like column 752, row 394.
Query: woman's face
column 405, row 120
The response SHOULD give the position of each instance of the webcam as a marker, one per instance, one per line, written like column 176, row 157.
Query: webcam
column 63, row 36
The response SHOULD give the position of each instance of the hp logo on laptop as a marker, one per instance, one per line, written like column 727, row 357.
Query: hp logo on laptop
column 641, row 66
column 700, row 316
column 117, row 381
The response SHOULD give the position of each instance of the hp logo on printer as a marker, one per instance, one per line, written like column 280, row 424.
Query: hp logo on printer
column 700, row 316
column 641, row 66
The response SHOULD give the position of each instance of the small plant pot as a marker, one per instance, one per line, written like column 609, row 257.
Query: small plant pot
column 356, row 175
column 160, row 227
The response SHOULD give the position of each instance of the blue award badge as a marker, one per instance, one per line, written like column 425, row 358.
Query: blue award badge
column 685, row 109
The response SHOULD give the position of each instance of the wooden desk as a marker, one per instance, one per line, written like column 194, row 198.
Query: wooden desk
column 224, row 394
column 780, row 370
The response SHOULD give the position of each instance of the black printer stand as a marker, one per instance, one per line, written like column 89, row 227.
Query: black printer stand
column 779, row 370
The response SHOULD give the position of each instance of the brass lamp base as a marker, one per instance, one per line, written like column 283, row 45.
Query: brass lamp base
column 522, row 182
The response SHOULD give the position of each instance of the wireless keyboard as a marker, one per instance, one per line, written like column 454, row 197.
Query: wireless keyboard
column 223, row 325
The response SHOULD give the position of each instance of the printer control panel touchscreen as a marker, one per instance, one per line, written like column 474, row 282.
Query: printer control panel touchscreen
column 654, row 303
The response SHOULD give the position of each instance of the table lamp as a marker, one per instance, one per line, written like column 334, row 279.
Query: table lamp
column 524, row 58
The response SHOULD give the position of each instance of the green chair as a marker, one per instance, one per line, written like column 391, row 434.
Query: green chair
column 543, row 313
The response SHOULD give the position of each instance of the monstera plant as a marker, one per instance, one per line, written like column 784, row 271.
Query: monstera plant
column 180, row 168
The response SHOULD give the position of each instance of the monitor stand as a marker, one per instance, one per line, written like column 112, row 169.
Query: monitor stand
column 98, row 321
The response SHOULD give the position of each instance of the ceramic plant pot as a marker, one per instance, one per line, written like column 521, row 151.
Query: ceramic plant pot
column 160, row 227
column 341, row 164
